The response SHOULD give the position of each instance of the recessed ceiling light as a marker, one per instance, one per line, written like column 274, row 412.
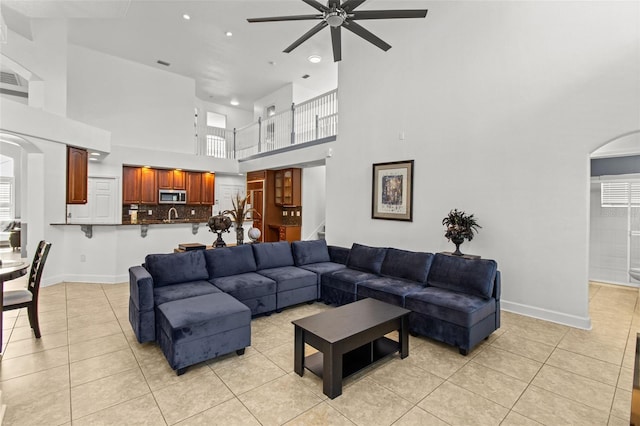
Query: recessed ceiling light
column 186, row 17
column 234, row 102
column 96, row 154
column 314, row 59
column 228, row 33
column 93, row 159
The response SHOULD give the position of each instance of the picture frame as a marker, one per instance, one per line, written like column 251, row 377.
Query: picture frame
column 392, row 191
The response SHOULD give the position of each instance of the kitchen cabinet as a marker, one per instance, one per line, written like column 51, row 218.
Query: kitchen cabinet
column 208, row 188
column 77, row 176
column 285, row 233
column 148, row 186
column 288, row 191
column 139, row 185
column 131, row 185
column 194, row 187
column 171, row 179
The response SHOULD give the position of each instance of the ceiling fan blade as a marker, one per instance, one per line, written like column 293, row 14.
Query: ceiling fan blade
column 366, row 34
column 390, row 14
column 285, row 18
column 349, row 5
column 305, row 37
column 336, row 42
column 317, row 5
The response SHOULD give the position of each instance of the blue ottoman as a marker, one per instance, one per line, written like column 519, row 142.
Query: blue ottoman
column 203, row 327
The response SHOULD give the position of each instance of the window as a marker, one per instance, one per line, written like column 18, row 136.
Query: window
column 216, row 120
column 7, row 207
column 620, row 194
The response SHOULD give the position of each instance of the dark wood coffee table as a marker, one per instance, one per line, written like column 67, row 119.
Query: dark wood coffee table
column 349, row 338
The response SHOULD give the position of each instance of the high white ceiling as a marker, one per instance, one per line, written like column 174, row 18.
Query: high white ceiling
column 245, row 67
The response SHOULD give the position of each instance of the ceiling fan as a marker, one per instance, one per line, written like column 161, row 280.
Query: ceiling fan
column 337, row 16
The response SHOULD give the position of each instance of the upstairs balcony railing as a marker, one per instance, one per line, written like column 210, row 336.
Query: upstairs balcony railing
column 306, row 122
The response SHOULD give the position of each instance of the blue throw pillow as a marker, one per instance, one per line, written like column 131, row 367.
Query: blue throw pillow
column 272, row 255
column 365, row 258
column 174, row 268
column 405, row 264
column 306, row 252
column 227, row 261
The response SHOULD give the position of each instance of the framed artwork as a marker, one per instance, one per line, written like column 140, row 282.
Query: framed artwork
column 392, row 193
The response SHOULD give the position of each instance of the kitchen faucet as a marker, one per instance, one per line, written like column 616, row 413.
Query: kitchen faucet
column 169, row 215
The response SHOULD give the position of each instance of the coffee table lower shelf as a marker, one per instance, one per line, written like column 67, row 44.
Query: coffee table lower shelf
column 357, row 359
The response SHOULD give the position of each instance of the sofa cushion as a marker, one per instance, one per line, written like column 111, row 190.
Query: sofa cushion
column 290, row 277
column 346, row 279
column 387, row 289
column 246, row 286
column 226, row 261
column 314, row 251
column 174, row 268
column 471, row 276
column 365, row 258
column 462, row 309
column 323, row 268
column 171, row 292
column 410, row 265
column 272, row 255
column 201, row 316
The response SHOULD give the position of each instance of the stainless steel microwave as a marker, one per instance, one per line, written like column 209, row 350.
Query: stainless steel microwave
column 172, row 196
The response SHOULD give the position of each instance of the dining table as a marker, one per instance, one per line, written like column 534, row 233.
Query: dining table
column 9, row 270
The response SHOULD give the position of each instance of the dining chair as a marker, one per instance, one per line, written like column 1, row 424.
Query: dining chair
column 28, row 297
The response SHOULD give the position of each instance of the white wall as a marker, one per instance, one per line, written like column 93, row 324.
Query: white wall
column 236, row 117
column 501, row 104
column 141, row 106
column 281, row 98
column 313, row 201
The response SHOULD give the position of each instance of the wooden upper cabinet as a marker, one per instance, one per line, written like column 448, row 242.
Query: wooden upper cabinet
column 194, row 187
column 77, row 175
column 288, row 188
column 148, row 186
column 179, row 179
column 165, row 179
column 131, row 184
column 170, row 179
column 139, row 185
column 208, row 188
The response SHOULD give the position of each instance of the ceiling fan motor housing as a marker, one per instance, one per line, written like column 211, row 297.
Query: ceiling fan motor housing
column 335, row 18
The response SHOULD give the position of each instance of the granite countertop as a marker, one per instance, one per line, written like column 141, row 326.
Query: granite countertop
column 141, row 222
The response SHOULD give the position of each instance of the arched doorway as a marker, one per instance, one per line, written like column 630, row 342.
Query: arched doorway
column 21, row 154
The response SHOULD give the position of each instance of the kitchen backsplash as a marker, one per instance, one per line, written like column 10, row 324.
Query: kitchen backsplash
column 160, row 212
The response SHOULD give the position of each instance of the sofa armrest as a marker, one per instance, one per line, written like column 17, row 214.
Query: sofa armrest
column 141, row 288
column 497, row 286
column 338, row 254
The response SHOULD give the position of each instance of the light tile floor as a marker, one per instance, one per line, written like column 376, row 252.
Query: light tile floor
column 88, row 369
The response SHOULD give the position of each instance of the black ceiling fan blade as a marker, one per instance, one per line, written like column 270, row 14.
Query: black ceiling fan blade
column 285, row 18
column 317, row 5
column 349, row 5
column 336, row 43
column 305, row 37
column 366, row 34
column 390, row 14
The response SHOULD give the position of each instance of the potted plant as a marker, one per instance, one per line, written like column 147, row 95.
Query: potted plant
column 240, row 213
column 459, row 227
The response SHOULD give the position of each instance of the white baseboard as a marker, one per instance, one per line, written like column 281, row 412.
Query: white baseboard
column 78, row 278
column 546, row 314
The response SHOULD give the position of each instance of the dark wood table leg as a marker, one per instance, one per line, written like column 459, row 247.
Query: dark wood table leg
column 298, row 353
column 404, row 336
column 332, row 372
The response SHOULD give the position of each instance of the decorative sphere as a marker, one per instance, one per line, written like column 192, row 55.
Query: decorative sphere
column 254, row 234
column 219, row 223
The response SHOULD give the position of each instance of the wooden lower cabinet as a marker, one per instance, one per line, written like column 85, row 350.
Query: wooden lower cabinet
column 284, row 233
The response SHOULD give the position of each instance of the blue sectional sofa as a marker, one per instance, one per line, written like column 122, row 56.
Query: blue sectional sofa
column 197, row 305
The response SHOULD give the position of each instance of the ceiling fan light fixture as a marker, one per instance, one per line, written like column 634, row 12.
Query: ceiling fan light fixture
column 335, row 18
column 314, row 59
